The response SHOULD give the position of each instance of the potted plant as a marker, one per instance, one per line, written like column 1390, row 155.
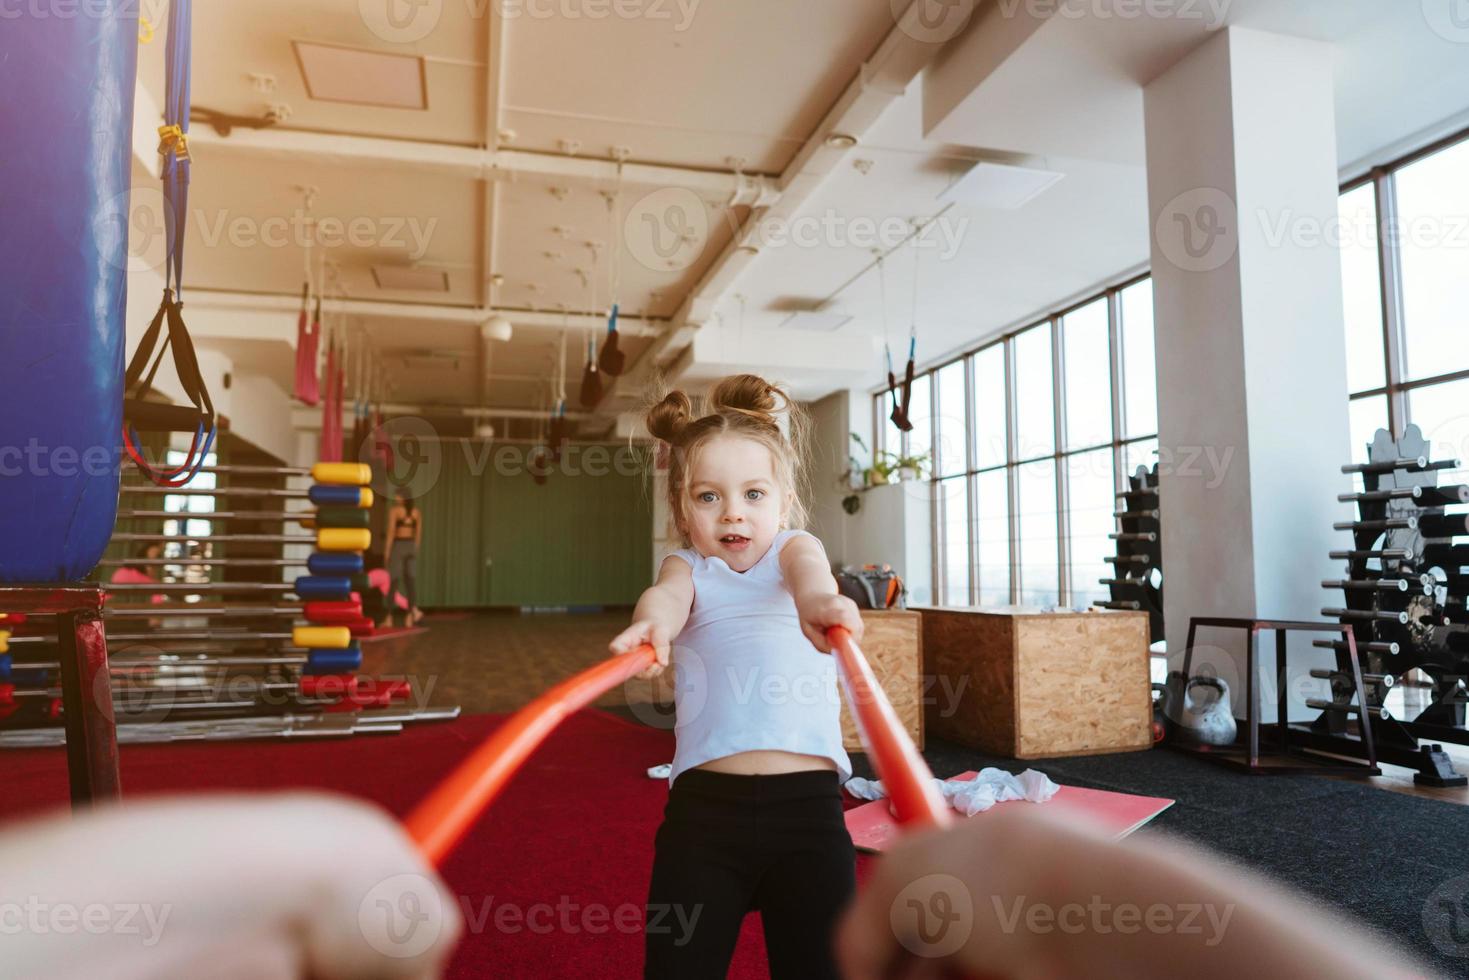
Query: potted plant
column 907, row 467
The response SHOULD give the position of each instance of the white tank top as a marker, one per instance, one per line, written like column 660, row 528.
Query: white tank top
column 745, row 676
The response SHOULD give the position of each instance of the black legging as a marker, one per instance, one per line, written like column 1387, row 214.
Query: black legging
column 729, row 844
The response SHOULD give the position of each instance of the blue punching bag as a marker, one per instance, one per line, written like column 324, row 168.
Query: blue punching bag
column 66, row 118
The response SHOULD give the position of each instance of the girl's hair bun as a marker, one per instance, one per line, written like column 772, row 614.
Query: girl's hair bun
column 668, row 419
column 748, row 394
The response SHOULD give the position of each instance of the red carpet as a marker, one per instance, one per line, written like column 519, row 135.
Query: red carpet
column 568, row 844
column 392, row 633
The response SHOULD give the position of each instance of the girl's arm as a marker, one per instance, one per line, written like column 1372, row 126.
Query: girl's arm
column 660, row 614
column 418, row 530
column 392, row 530
column 808, row 575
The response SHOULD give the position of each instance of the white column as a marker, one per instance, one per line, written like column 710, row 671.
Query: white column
column 1252, row 391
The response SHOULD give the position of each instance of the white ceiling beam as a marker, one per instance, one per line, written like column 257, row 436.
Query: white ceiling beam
column 880, row 81
column 472, row 163
column 200, row 302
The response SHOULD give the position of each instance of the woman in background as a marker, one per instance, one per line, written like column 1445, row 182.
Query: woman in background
column 400, row 552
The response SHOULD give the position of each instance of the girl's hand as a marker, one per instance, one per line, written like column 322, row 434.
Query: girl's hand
column 821, row 610
column 644, row 631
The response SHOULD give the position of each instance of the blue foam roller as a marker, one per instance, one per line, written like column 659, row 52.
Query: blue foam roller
column 23, row 676
column 334, row 563
column 4, row 666
column 314, row 587
column 323, row 495
column 333, row 661
column 67, row 116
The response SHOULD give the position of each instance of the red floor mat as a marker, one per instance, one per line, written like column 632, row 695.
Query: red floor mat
column 568, row 845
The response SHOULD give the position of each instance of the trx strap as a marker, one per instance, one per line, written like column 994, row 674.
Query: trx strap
column 139, row 413
column 613, row 359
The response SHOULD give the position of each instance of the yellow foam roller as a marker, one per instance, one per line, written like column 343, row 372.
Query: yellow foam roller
column 366, row 499
column 343, row 539
column 342, row 474
column 4, row 642
column 322, row 637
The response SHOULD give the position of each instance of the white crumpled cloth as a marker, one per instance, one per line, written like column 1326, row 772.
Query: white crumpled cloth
column 971, row 796
column 660, row 772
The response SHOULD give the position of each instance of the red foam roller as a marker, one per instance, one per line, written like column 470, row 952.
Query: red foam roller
column 328, row 685
column 12, row 619
column 7, row 694
column 341, row 613
column 53, row 710
column 362, row 627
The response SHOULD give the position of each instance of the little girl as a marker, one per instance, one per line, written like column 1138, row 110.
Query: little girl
column 754, row 815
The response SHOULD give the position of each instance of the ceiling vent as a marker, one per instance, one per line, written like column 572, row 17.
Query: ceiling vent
column 336, row 73
column 411, row 278
column 1000, row 186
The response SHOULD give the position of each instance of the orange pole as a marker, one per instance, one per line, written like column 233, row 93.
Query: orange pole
column 447, row 813
column 909, row 783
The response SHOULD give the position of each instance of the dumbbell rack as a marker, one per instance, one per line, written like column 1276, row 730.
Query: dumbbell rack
column 1137, row 582
column 223, row 668
column 1404, row 597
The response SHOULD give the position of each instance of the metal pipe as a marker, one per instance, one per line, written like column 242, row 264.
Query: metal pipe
column 1368, row 614
column 1386, row 554
column 1149, row 536
column 1385, row 680
column 1374, row 711
column 1374, row 646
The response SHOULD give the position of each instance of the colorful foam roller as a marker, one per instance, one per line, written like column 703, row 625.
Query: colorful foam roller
column 343, row 539
column 323, row 587
column 333, row 613
column 363, row 627
column 7, row 694
column 325, row 496
column 12, row 619
column 333, row 661
column 4, row 666
column 328, row 685
column 342, row 474
column 343, row 517
column 337, row 563
column 4, row 641
column 321, row 637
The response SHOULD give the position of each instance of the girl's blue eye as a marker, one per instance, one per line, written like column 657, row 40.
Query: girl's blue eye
column 755, row 494
column 707, row 496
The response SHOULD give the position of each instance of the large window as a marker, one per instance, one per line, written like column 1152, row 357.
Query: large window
column 1405, row 290
column 1033, row 436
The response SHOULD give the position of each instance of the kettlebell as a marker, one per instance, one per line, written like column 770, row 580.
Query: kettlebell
column 1207, row 719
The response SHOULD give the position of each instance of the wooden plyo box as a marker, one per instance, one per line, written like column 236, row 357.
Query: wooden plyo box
column 1038, row 684
column 893, row 645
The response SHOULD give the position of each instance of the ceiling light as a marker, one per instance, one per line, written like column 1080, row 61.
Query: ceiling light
column 495, row 328
column 1000, row 186
column 336, row 73
column 841, row 141
column 411, row 278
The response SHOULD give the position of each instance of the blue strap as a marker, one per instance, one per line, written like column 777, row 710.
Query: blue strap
column 176, row 113
column 612, row 320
